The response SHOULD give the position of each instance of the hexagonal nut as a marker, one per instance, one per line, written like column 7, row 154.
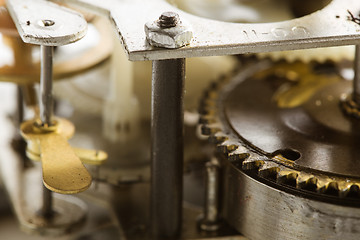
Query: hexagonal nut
column 174, row 37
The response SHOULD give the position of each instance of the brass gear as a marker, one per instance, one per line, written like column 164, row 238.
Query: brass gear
column 278, row 166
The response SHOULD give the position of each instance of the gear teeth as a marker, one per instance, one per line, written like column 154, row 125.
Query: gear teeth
column 207, row 103
column 353, row 191
column 344, row 188
column 228, row 146
column 349, row 189
column 329, row 188
column 218, row 138
column 287, row 176
column 321, row 184
column 211, row 94
column 240, row 153
column 306, row 181
column 210, row 129
column 207, row 107
column 252, row 162
column 277, row 168
column 216, row 85
column 208, row 110
column 335, row 54
column 207, row 120
column 269, row 170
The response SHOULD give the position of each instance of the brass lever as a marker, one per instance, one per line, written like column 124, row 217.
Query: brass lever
column 63, row 171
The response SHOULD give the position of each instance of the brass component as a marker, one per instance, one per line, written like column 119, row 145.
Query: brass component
column 92, row 157
column 87, row 156
column 63, row 171
column 301, row 83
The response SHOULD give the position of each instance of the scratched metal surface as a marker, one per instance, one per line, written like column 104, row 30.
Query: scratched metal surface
column 328, row 27
column 44, row 23
column 261, row 212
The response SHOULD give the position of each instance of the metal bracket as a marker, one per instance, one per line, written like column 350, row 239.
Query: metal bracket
column 325, row 28
column 44, row 23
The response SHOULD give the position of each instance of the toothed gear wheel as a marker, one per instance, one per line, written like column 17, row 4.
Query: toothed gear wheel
column 283, row 121
column 319, row 55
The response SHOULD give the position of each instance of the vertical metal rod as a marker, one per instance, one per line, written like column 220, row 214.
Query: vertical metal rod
column 167, row 147
column 46, row 100
column 210, row 219
column 20, row 106
column 47, row 208
column 46, row 106
column 356, row 82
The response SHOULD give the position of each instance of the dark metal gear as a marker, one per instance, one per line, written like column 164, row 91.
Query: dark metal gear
column 283, row 121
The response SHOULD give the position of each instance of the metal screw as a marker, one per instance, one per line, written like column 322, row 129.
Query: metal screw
column 168, row 20
column 47, row 23
column 168, row 31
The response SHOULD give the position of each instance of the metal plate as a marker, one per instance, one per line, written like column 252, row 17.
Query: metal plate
column 328, row 27
column 44, row 23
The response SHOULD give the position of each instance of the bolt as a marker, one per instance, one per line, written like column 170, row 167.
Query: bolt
column 168, row 31
column 168, row 20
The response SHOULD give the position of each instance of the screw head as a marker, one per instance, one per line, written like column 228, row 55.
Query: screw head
column 168, row 20
column 46, row 23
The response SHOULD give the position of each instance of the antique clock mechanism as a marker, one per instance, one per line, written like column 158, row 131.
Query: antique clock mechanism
column 222, row 119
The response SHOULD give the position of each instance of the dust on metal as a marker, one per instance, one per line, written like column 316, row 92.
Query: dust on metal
column 168, row 31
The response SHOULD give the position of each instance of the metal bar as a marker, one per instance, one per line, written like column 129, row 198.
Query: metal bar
column 45, row 23
column 356, row 82
column 47, row 206
column 46, row 108
column 46, row 100
column 210, row 219
column 218, row 38
column 167, row 147
column 20, row 106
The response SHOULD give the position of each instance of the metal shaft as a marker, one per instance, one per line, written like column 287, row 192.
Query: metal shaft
column 47, row 206
column 20, row 106
column 356, row 82
column 210, row 220
column 167, row 147
column 46, row 100
column 46, row 109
